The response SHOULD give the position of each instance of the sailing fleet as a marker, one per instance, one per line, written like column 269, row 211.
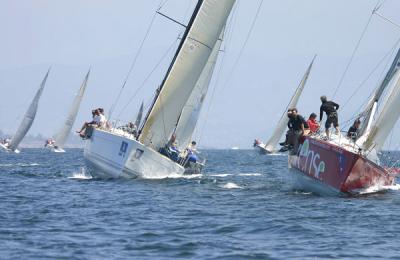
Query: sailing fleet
column 160, row 141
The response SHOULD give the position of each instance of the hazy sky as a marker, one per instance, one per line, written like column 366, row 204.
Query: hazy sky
column 73, row 35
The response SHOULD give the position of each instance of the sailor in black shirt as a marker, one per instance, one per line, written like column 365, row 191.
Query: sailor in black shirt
column 353, row 130
column 330, row 108
column 296, row 126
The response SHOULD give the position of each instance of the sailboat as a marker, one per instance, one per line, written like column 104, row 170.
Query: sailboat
column 271, row 146
column 342, row 165
column 27, row 121
column 111, row 154
column 61, row 137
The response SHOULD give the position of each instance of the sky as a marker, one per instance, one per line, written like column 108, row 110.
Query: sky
column 247, row 95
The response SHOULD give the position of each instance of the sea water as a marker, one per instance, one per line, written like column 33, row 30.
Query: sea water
column 241, row 207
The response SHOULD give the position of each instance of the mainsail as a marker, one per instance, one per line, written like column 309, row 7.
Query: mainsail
column 28, row 118
column 191, row 111
column 367, row 114
column 192, row 55
column 282, row 124
column 139, row 116
column 62, row 136
column 387, row 118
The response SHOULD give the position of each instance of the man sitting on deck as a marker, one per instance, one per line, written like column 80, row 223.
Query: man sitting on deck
column 99, row 120
column 330, row 108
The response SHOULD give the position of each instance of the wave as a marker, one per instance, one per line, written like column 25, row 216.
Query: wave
column 172, row 176
column 379, row 188
column 231, row 185
column 19, row 164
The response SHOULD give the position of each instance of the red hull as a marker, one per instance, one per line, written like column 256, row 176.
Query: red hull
column 340, row 169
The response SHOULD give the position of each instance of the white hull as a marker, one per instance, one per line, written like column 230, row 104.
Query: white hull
column 55, row 150
column 260, row 148
column 111, row 155
column 5, row 148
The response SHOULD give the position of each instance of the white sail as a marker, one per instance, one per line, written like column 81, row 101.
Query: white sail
column 387, row 118
column 62, row 136
column 191, row 111
column 272, row 143
column 28, row 118
column 367, row 114
column 139, row 116
column 200, row 37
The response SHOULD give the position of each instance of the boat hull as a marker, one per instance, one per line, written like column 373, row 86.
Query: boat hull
column 109, row 155
column 333, row 169
column 3, row 147
column 260, row 149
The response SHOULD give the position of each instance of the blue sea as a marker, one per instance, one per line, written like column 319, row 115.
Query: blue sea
column 241, row 207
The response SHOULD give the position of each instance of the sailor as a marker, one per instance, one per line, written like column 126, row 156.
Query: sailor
column 297, row 125
column 330, row 108
column 98, row 120
column 285, row 143
column 312, row 123
column 353, row 130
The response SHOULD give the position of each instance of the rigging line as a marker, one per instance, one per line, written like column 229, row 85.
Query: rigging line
column 355, row 50
column 134, row 61
column 371, row 73
column 235, row 64
column 148, row 76
column 387, row 19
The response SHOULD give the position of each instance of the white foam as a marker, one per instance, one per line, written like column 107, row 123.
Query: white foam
column 231, row 185
column 249, row 174
column 378, row 188
column 221, row 175
column 82, row 175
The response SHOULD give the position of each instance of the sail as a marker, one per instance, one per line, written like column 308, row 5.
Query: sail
column 139, row 116
column 387, row 118
column 191, row 111
column 367, row 113
column 62, row 135
column 282, row 124
column 28, row 118
column 191, row 57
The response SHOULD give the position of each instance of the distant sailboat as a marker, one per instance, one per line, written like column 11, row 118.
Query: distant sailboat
column 116, row 155
column 272, row 144
column 62, row 136
column 27, row 122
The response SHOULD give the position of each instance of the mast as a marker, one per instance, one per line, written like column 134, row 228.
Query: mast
column 203, row 31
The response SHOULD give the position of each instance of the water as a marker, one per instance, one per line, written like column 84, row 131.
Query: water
column 240, row 208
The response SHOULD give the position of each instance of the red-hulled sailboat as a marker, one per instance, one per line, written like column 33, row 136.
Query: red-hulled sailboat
column 343, row 165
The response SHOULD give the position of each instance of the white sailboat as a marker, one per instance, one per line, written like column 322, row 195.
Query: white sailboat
column 62, row 136
column 114, row 154
column 272, row 144
column 27, row 121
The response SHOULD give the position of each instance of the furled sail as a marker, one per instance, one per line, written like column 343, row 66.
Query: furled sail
column 28, row 118
column 62, row 135
column 387, row 118
column 191, row 111
column 272, row 143
column 139, row 116
column 367, row 114
column 191, row 57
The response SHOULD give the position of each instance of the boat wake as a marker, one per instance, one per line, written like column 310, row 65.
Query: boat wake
column 173, row 176
column 223, row 175
column 380, row 188
column 82, row 175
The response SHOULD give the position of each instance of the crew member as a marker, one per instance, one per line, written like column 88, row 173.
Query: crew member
column 313, row 124
column 297, row 125
column 353, row 130
column 330, row 108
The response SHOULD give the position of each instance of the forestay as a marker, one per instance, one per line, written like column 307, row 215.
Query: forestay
column 28, row 118
column 387, row 118
column 201, row 35
column 191, row 111
column 272, row 143
column 62, row 136
column 367, row 113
